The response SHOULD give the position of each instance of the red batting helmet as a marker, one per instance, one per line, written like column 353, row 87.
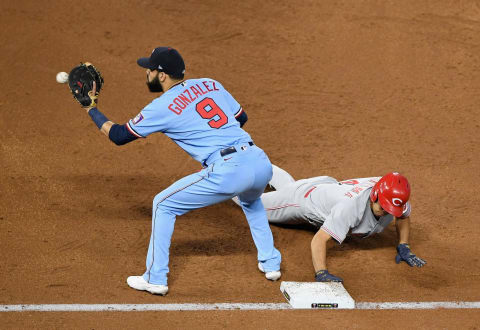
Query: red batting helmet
column 392, row 192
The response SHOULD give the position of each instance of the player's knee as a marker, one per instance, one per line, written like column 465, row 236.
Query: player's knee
column 158, row 201
column 161, row 204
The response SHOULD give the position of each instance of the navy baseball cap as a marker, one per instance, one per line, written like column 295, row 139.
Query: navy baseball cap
column 164, row 59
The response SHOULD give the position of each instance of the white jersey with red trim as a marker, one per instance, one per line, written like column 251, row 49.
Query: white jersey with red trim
column 339, row 208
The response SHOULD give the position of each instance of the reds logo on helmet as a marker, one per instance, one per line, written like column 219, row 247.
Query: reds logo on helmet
column 397, row 202
column 392, row 192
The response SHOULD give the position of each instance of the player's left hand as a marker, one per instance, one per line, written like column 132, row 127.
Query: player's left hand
column 93, row 95
column 404, row 254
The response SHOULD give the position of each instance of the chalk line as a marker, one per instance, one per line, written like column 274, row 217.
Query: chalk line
column 225, row 306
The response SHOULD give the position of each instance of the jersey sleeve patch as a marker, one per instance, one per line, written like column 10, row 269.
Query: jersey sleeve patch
column 137, row 119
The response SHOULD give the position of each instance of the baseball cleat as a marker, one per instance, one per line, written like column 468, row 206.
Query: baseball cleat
column 138, row 283
column 272, row 276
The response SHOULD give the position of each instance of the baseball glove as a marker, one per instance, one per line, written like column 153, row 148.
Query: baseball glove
column 80, row 81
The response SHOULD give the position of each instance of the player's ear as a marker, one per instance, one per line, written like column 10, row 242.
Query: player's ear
column 162, row 76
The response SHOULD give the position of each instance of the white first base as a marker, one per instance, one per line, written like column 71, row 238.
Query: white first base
column 317, row 295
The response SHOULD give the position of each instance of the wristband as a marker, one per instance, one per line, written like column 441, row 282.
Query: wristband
column 98, row 118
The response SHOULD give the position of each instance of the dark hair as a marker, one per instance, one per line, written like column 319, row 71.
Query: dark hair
column 172, row 76
column 176, row 76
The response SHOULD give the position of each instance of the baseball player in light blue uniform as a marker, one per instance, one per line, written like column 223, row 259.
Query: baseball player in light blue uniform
column 204, row 120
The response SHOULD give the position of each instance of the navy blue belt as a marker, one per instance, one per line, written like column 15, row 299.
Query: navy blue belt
column 227, row 151
column 231, row 150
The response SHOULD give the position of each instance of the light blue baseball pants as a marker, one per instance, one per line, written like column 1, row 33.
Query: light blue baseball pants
column 245, row 174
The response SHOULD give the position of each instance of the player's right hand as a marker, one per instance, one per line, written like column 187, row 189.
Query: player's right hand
column 324, row 276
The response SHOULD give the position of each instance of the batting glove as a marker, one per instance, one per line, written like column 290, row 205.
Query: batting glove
column 325, row 276
column 404, row 254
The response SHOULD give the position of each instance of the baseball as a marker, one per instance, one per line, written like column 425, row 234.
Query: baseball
column 62, row 77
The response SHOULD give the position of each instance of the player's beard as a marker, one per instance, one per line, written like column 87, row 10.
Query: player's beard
column 154, row 86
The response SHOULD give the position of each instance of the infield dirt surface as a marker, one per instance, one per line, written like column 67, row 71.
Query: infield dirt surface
column 340, row 88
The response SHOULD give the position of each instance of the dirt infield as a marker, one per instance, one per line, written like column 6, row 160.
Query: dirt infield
column 339, row 88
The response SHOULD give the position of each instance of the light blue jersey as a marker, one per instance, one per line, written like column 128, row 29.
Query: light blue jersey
column 197, row 114
column 200, row 116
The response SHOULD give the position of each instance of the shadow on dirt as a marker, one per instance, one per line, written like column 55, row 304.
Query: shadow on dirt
column 212, row 247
